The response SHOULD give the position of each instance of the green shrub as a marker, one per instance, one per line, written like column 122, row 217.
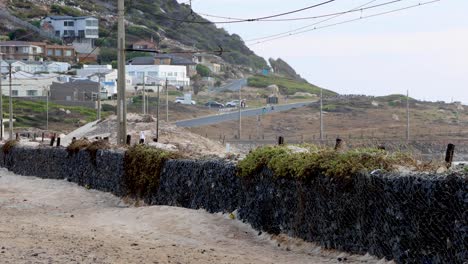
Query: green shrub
column 303, row 165
column 203, row 70
column 143, row 167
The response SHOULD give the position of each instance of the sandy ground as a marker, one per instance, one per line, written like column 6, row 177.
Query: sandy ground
column 50, row 221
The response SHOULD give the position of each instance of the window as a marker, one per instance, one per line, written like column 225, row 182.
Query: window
column 50, row 52
column 69, row 33
column 92, row 23
column 169, row 74
column 68, row 53
column 132, row 73
column 57, row 33
column 17, row 68
column 31, row 92
column 58, row 52
column 69, row 23
column 153, row 75
column 14, row 92
column 91, row 32
column 81, row 33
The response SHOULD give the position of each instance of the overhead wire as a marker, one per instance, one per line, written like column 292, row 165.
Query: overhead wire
column 345, row 22
column 248, row 19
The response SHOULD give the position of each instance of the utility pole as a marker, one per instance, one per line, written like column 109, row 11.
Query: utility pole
column 99, row 104
column 10, row 107
column 407, row 117
column 1, row 99
column 240, row 113
column 167, row 105
column 157, row 114
column 121, row 103
column 321, row 114
column 144, row 99
column 47, row 109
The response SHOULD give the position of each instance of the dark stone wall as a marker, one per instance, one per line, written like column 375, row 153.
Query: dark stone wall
column 411, row 219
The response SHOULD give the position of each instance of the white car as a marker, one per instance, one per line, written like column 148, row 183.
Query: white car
column 181, row 100
column 233, row 103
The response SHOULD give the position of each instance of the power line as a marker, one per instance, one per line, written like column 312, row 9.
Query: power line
column 348, row 21
column 357, row 9
column 313, row 24
column 248, row 19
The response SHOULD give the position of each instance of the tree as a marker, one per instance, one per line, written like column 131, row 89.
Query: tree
column 203, row 71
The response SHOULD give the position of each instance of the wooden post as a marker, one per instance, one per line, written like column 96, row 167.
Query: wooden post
column 449, row 154
column 42, row 136
column 73, row 139
column 339, row 144
column 280, row 140
column 58, row 142
column 17, row 137
column 129, row 139
column 52, row 141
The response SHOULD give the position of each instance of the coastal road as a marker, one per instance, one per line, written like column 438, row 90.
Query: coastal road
column 214, row 119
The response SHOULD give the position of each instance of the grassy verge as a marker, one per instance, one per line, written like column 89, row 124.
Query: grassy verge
column 284, row 162
column 143, row 166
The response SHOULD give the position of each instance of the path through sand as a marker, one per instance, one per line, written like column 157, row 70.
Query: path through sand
column 50, row 221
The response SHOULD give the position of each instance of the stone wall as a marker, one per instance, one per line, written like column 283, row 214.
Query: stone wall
column 411, row 219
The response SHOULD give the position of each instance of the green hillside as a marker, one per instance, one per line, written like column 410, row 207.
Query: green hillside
column 286, row 85
column 148, row 18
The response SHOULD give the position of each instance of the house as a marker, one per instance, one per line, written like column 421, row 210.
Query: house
column 35, row 66
column 166, row 59
column 108, row 81
column 20, row 50
column 76, row 93
column 36, row 51
column 213, row 62
column 25, row 84
column 81, row 32
column 144, row 44
column 176, row 75
column 88, row 70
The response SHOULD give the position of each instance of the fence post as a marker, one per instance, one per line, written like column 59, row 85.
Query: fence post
column 280, row 140
column 129, row 139
column 58, row 142
column 17, row 137
column 339, row 144
column 449, row 154
column 52, row 141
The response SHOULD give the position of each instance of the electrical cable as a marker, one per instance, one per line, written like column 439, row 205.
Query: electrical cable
column 349, row 21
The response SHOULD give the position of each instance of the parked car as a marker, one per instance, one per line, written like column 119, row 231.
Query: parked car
column 233, row 103
column 214, row 104
column 181, row 100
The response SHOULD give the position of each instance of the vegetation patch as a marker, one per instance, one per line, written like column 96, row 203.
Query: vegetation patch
column 8, row 146
column 286, row 85
column 143, row 166
column 77, row 145
column 287, row 163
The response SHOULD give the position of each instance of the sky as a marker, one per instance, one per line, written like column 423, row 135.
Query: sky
column 423, row 49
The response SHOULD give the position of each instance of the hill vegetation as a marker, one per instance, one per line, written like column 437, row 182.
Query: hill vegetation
column 157, row 19
column 286, row 85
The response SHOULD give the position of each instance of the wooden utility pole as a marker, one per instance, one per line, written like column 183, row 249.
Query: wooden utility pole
column 121, row 103
column 144, row 99
column 167, row 105
column 10, row 125
column 407, row 117
column 1, row 99
column 321, row 114
column 240, row 113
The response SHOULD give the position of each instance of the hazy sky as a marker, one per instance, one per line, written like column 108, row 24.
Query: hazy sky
column 424, row 49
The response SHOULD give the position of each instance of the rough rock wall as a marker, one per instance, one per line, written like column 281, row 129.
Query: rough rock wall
column 411, row 219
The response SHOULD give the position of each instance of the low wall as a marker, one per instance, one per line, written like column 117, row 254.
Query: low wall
column 411, row 219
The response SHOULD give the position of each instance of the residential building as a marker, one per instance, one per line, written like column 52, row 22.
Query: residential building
column 76, row 93
column 36, row 51
column 20, row 50
column 28, row 85
column 144, row 44
column 93, row 69
column 35, row 66
column 108, row 81
column 157, row 74
column 213, row 62
column 80, row 31
column 166, row 59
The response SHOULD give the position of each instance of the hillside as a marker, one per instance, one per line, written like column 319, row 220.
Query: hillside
column 146, row 19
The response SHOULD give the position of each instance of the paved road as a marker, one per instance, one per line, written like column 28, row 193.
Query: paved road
column 232, row 86
column 209, row 120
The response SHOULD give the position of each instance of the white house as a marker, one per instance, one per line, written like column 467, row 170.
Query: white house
column 81, row 31
column 157, row 74
column 35, row 66
column 89, row 70
column 28, row 85
column 108, row 81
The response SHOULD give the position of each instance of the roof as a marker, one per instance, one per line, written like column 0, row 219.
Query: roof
column 18, row 43
column 175, row 60
column 69, row 17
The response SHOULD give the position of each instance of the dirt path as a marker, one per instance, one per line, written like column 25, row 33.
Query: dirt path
column 49, row 221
